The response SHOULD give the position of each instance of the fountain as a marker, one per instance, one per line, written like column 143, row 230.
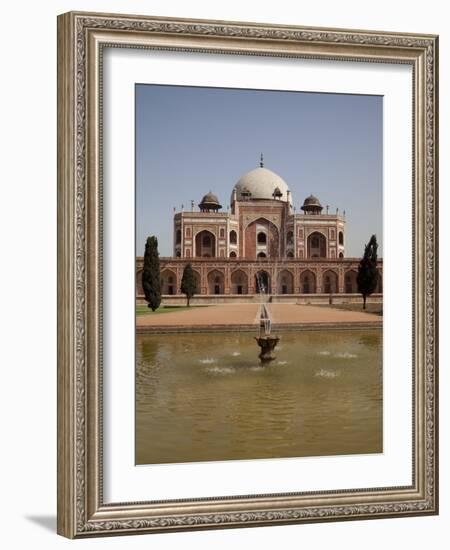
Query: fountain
column 266, row 341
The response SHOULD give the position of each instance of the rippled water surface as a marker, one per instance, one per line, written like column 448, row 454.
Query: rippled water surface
column 205, row 396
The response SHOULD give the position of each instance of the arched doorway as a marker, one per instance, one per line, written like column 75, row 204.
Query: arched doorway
column 285, row 282
column 215, row 282
column 317, row 245
column 239, row 282
column 379, row 289
column 205, row 244
column 139, row 288
column 168, row 282
column 262, row 283
column 261, row 236
column 307, row 282
column 233, row 254
column 330, row 282
column 198, row 286
column 350, row 283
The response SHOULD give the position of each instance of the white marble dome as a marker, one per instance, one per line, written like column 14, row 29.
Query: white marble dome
column 261, row 183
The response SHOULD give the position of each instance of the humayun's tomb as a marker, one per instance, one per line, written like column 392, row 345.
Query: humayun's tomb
column 260, row 243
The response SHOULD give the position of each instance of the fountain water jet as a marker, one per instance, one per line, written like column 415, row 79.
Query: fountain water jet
column 266, row 341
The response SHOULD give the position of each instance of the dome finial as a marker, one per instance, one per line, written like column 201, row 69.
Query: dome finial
column 261, row 162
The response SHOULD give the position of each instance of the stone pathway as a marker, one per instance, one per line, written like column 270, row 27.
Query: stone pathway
column 286, row 314
column 231, row 315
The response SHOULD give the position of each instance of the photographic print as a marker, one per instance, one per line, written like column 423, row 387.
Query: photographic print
column 259, row 274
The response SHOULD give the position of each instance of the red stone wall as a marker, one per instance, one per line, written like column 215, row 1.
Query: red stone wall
column 249, row 249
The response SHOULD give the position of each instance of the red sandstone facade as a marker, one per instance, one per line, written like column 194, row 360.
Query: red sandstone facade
column 260, row 244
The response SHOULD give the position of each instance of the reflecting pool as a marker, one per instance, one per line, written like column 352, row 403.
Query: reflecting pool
column 203, row 397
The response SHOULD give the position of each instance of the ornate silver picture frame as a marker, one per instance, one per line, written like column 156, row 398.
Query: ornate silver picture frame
column 82, row 41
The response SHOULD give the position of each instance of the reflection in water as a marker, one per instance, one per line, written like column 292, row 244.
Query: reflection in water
column 205, row 397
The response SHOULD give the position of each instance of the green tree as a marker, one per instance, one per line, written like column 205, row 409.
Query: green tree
column 188, row 283
column 367, row 278
column 151, row 280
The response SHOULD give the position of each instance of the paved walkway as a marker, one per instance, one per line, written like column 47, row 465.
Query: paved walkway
column 246, row 316
column 231, row 315
column 286, row 314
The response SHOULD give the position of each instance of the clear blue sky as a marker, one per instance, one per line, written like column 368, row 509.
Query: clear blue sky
column 192, row 140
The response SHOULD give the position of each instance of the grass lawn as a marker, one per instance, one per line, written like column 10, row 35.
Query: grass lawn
column 376, row 309
column 144, row 310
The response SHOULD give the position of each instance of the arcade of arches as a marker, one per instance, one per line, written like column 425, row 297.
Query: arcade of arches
column 249, row 278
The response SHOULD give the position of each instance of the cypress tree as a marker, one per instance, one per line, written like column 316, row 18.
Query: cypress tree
column 151, row 280
column 367, row 278
column 188, row 283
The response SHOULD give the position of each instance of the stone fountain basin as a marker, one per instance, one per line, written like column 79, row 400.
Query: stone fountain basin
column 267, row 344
